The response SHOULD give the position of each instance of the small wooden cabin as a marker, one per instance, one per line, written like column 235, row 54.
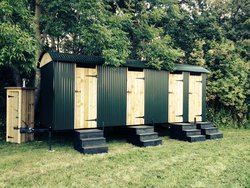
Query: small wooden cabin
column 79, row 92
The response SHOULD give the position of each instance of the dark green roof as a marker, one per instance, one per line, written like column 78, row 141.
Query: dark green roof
column 74, row 58
column 98, row 60
column 190, row 68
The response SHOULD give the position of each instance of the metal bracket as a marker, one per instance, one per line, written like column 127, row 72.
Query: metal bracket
column 178, row 115
column 95, row 76
column 91, row 120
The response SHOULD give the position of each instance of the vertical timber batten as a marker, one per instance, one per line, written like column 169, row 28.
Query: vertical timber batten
column 175, row 93
column 135, row 97
column 204, row 77
column 85, row 97
column 185, row 96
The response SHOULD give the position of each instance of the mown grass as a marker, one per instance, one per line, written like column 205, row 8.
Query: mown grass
column 217, row 163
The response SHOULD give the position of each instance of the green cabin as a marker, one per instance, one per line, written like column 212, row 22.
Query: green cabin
column 80, row 92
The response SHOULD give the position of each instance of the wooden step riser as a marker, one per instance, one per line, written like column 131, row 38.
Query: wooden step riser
column 140, row 130
column 182, row 127
column 93, row 150
column 93, row 142
column 143, row 137
column 184, row 133
column 217, row 136
column 199, row 139
column 208, row 131
column 153, row 143
column 89, row 135
column 145, row 144
column 204, row 126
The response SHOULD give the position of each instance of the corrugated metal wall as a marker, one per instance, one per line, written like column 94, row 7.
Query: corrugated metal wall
column 46, row 112
column 64, row 100
column 156, row 96
column 111, row 100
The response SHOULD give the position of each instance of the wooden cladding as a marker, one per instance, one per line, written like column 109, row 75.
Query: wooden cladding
column 175, row 105
column 195, row 98
column 86, row 98
column 20, row 113
column 135, row 97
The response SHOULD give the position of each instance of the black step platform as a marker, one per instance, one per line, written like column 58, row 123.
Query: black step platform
column 209, row 130
column 186, row 132
column 90, row 141
column 143, row 136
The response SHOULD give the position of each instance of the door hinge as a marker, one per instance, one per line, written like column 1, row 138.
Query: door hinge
column 199, row 115
column 199, row 81
column 170, row 92
column 9, row 96
column 141, row 78
column 190, row 93
column 140, row 117
column 91, row 120
column 179, row 80
column 10, row 137
column 78, row 91
column 95, row 76
column 178, row 115
column 129, row 91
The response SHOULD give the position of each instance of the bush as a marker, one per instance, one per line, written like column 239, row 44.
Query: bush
column 225, row 118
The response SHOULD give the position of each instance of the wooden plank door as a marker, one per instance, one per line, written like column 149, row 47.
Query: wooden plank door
column 135, row 97
column 195, row 98
column 86, row 98
column 13, row 116
column 175, row 106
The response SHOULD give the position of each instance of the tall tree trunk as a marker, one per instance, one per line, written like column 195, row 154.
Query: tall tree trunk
column 37, row 30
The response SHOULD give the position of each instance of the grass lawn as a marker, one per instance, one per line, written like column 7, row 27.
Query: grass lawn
column 216, row 163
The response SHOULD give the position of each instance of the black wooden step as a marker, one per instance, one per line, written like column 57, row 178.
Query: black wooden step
column 86, row 142
column 191, row 132
column 153, row 142
column 196, row 138
column 214, row 136
column 209, row 130
column 140, row 129
column 145, row 143
column 202, row 125
column 93, row 149
column 142, row 136
column 182, row 126
column 89, row 133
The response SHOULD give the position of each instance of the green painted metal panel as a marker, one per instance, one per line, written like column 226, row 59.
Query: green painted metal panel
column 64, row 100
column 156, row 96
column 204, row 77
column 46, row 112
column 185, row 95
column 112, row 96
